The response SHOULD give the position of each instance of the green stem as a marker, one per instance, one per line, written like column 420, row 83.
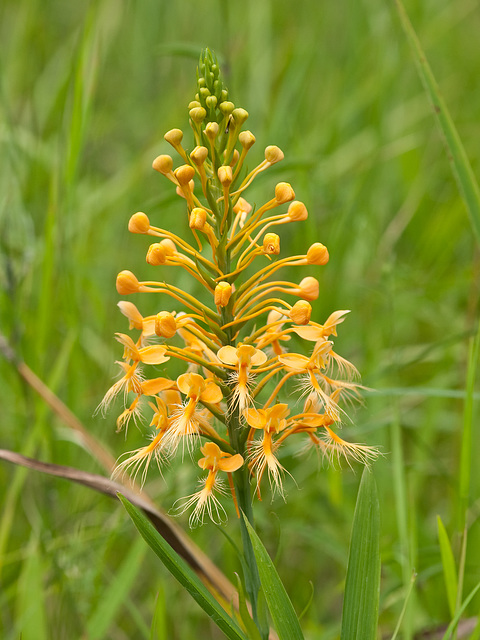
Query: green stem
column 241, row 478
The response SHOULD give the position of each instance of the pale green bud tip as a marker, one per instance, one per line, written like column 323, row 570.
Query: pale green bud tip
column 226, row 107
column 197, row 114
column 240, row 115
column 211, row 102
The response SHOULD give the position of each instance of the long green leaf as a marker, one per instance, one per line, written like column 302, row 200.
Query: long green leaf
column 448, row 564
column 460, row 164
column 362, row 586
column 281, row 609
column 467, row 434
column 453, row 624
column 182, row 572
column 113, row 597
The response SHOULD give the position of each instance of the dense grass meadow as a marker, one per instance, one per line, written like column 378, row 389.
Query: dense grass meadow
column 87, row 91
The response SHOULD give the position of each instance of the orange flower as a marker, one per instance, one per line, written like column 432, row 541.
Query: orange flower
column 242, row 359
column 262, row 452
column 187, row 421
column 214, row 460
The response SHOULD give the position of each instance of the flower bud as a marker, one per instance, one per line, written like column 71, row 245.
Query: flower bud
column 169, row 247
column 225, row 176
column 274, row 316
column 317, row 254
column 284, row 192
column 198, row 218
column 211, row 102
column 184, row 174
column 139, row 223
column 163, row 164
column 271, row 244
column 194, row 104
column 165, row 325
column 242, row 205
column 199, row 155
column 246, row 139
column 127, row 283
column 211, row 130
column 309, row 288
column 197, row 114
column 273, row 154
column 223, row 291
column 226, row 107
column 240, row 116
column 174, row 137
column 235, row 157
column 301, row 312
column 156, row 254
column 297, row 211
column 179, row 190
column 132, row 313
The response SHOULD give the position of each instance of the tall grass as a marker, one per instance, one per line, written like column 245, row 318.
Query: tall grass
column 87, row 90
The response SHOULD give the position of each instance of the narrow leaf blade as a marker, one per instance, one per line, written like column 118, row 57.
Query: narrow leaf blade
column 448, row 564
column 362, row 586
column 182, row 572
column 461, row 166
column 281, row 609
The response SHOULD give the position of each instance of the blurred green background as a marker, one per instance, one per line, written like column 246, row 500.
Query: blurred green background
column 87, row 91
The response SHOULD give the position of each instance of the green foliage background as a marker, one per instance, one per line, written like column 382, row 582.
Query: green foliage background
column 87, row 91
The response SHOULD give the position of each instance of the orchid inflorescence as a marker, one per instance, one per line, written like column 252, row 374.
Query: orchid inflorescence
column 228, row 405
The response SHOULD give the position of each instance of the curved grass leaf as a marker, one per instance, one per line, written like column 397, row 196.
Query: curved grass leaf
column 460, row 164
column 281, row 609
column 448, row 564
column 362, row 586
column 182, row 572
column 453, row 624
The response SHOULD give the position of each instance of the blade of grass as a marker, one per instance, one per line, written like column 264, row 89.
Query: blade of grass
column 362, row 586
column 279, row 604
column 453, row 624
column 158, row 630
column 466, row 450
column 404, row 608
column 448, row 564
column 461, row 167
column 183, row 573
column 400, row 492
column 31, row 612
column 116, row 592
